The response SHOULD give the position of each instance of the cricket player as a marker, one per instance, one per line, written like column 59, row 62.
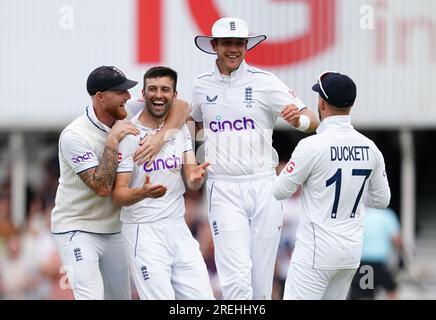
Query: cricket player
column 85, row 223
column 238, row 106
column 339, row 169
column 165, row 258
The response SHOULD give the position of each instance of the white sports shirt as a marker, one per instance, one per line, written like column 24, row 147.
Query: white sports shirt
column 165, row 170
column 77, row 207
column 238, row 113
column 337, row 167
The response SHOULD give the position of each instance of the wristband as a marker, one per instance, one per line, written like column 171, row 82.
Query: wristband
column 304, row 123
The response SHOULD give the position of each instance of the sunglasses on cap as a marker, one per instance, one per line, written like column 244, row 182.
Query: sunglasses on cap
column 321, row 77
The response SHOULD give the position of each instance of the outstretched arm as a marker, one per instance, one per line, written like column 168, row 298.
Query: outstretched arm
column 150, row 146
column 303, row 120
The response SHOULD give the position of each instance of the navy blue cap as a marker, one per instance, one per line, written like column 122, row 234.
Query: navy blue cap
column 108, row 78
column 340, row 89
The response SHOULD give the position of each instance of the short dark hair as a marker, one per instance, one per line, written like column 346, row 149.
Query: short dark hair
column 160, row 71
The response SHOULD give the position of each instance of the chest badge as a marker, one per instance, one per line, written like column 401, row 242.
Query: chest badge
column 248, row 97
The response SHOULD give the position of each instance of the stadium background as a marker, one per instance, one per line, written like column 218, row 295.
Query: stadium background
column 49, row 47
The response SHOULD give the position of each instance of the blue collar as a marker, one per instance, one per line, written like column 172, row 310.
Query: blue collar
column 90, row 113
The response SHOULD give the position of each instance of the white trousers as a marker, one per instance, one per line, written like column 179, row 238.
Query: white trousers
column 305, row 283
column 166, row 261
column 245, row 221
column 96, row 264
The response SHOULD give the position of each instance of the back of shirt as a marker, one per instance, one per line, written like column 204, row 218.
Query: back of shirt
column 338, row 169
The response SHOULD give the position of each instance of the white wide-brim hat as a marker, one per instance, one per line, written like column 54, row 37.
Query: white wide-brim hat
column 228, row 28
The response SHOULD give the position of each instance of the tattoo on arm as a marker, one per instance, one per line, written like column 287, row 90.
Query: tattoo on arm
column 101, row 179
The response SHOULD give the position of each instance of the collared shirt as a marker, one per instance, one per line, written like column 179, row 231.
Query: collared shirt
column 77, row 207
column 239, row 113
column 339, row 169
column 165, row 170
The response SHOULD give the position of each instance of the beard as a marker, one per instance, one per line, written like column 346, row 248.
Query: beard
column 118, row 113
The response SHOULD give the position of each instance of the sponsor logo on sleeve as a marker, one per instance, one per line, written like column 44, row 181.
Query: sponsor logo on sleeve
column 290, row 166
column 82, row 158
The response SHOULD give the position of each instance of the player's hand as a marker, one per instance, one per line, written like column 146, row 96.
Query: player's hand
column 291, row 115
column 181, row 104
column 119, row 130
column 149, row 147
column 153, row 191
column 197, row 175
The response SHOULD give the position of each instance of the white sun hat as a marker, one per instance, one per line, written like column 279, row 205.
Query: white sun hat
column 228, row 28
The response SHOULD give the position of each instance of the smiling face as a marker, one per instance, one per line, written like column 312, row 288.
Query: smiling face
column 230, row 52
column 159, row 94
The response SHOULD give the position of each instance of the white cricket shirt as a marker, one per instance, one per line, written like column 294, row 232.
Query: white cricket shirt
column 78, row 207
column 238, row 113
column 165, row 170
column 339, row 168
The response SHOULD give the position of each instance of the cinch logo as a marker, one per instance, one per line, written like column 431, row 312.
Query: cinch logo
column 83, row 157
column 163, row 164
column 238, row 124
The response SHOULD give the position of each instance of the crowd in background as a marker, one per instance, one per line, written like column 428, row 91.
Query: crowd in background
column 30, row 267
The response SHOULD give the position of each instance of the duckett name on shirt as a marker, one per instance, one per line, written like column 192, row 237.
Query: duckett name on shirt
column 238, row 124
column 162, row 164
column 349, row 153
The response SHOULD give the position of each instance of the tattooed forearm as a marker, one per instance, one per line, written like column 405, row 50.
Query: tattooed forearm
column 101, row 179
column 107, row 169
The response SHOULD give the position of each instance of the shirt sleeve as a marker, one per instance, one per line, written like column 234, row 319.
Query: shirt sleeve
column 78, row 153
column 188, row 139
column 280, row 95
column 295, row 172
column 196, row 112
column 133, row 106
column 126, row 149
column 379, row 193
